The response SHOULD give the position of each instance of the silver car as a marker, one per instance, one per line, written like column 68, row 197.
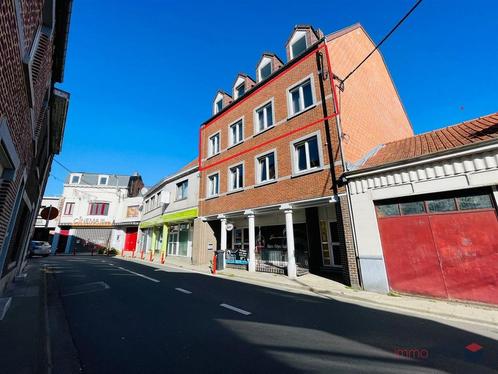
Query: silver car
column 40, row 248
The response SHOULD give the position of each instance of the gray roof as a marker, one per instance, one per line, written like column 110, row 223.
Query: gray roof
column 91, row 179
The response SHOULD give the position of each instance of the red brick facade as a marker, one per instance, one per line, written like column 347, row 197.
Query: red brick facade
column 26, row 100
column 370, row 112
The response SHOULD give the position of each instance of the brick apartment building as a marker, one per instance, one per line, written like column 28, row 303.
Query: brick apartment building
column 272, row 154
column 33, row 40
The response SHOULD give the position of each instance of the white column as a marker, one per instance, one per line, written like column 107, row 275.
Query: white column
column 223, row 241
column 289, row 229
column 251, row 258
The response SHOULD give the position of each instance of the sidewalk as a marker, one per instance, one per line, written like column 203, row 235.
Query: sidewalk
column 323, row 287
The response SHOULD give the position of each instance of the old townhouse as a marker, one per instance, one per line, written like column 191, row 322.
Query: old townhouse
column 273, row 151
column 425, row 213
column 93, row 206
column 169, row 219
column 33, row 37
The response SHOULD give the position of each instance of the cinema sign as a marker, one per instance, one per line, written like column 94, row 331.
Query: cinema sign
column 91, row 222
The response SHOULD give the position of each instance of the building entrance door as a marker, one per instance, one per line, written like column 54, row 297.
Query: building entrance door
column 173, row 243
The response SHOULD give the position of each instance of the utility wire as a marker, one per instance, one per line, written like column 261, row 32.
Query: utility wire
column 341, row 82
column 70, row 171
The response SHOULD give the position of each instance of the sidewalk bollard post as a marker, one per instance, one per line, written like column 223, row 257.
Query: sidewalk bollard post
column 213, row 267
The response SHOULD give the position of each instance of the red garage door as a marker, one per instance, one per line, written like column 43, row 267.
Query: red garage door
column 442, row 245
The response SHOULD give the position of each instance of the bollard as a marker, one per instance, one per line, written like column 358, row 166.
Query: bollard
column 213, row 267
column 150, row 257
column 162, row 258
column 142, row 255
column 133, row 254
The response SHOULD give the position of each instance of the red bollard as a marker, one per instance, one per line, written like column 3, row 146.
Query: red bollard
column 162, row 257
column 133, row 254
column 151, row 259
column 122, row 253
column 213, row 268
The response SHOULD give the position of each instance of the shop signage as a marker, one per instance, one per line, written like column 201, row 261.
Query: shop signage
column 91, row 222
column 229, row 226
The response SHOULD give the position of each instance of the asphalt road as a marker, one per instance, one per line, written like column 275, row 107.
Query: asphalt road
column 126, row 317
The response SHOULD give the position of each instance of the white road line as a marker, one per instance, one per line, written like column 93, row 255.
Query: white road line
column 183, row 290
column 140, row 275
column 241, row 311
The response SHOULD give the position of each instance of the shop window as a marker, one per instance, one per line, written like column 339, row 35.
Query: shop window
column 414, row 207
column 264, row 117
column 388, row 210
column 441, row 205
column 475, row 202
column 301, row 97
column 182, row 190
column 68, row 209
column 335, row 244
column 237, row 133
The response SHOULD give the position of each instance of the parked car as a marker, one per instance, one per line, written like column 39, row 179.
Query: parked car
column 40, row 248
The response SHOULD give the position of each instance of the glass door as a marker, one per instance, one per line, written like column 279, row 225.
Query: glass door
column 173, row 243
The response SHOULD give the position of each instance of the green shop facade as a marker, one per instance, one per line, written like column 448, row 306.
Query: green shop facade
column 170, row 234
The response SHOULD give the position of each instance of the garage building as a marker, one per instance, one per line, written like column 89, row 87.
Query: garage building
column 425, row 213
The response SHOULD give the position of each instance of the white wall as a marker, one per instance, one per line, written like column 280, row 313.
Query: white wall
column 454, row 172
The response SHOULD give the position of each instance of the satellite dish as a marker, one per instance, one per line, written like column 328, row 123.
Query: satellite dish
column 143, row 191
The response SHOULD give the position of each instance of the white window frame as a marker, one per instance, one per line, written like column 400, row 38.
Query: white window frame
column 208, row 185
column 298, row 35
column 75, row 175
column 230, row 177
column 238, row 82
column 263, row 64
column 242, row 121
column 299, row 85
column 210, row 146
column 256, row 117
column 294, row 154
column 217, row 99
column 103, row 176
column 177, row 198
column 72, row 208
column 237, row 94
column 257, row 167
column 332, row 244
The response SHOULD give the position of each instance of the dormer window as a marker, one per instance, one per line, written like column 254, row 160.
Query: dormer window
column 75, row 179
column 219, row 105
column 299, row 45
column 265, row 71
column 220, row 101
column 103, row 180
column 240, row 89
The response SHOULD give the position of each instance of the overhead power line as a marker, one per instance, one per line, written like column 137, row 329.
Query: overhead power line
column 341, row 81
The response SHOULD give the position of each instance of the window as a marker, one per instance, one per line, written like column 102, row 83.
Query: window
column 132, row 211
column 265, row 71
column 182, row 190
column 98, row 209
column 475, row 202
column 218, row 105
column 236, row 177
column 237, row 132
column 266, row 168
column 301, row 97
column 152, row 202
column 306, row 155
column 388, row 210
column 75, row 179
column 441, row 205
column 68, row 209
column 103, row 180
column 299, row 46
column 264, row 117
column 214, row 145
column 414, row 207
column 158, row 201
column 240, row 89
column 214, row 184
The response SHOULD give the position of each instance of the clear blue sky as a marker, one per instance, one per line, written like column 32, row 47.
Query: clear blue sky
column 142, row 75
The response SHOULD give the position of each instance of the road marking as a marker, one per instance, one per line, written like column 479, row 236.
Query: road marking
column 86, row 288
column 183, row 290
column 241, row 311
column 140, row 275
